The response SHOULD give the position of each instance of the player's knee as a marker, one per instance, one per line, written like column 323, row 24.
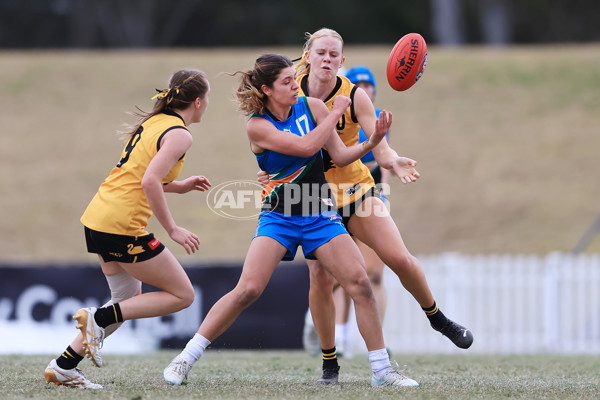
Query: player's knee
column 187, row 297
column 122, row 287
column 248, row 295
column 376, row 277
column 365, row 285
column 360, row 288
column 405, row 263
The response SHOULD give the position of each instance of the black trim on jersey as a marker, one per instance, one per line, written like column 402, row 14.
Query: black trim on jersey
column 352, row 113
column 304, row 86
column 173, row 114
column 168, row 111
column 164, row 133
column 338, row 85
column 327, row 161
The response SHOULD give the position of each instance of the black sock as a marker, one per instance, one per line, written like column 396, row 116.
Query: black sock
column 436, row 316
column 329, row 359
column 68, row 359
column 106, row 316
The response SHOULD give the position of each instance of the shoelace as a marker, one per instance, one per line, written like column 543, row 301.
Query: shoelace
column 395, row 370
column 99, row 340
column 82, row 376
column 180, row 367
column 82, row 379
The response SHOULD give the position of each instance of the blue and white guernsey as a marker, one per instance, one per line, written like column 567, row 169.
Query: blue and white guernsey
column 297, row 185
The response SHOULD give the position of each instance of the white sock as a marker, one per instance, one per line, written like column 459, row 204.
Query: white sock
column 340, row 334
column 195, row 348
column 380, row 362
column 308, row 319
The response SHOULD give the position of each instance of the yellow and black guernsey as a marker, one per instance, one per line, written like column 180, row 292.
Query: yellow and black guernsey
column 120, row 206
column 351, row 182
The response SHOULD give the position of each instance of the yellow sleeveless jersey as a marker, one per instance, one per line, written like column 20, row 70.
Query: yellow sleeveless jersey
column 120, row 206
column 351, row 182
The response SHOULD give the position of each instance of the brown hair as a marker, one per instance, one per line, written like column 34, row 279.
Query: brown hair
column 250, row 97
column 303, row 67
column 185, row 86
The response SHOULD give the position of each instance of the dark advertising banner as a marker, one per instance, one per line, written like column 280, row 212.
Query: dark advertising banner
column 40, row 300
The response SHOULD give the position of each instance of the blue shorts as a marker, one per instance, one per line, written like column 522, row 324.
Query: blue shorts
column 296, row 230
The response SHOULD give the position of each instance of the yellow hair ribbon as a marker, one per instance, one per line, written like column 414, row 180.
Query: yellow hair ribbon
column 170, row 93
column 161, row 93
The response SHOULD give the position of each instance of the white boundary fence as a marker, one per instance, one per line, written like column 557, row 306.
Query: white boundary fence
column 513, row 304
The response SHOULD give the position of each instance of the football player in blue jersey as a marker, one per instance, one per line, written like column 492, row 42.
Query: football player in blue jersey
column 286, row 134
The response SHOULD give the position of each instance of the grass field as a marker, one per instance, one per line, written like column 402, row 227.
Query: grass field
column 291, row 375
column 507, row 142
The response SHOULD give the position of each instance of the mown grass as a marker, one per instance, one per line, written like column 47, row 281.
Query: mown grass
column 291, row 375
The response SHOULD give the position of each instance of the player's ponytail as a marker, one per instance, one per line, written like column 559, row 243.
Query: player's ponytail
column 185, row 86
column 250, row 97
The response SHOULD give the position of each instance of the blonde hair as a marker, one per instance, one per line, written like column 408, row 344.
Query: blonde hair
column 185, row 86
column 250, row 97
column 303, row 67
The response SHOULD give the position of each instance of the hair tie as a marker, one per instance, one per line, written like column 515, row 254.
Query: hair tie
column 161, row 93
column 169, row 93
column 172, row 93
column 302, row 60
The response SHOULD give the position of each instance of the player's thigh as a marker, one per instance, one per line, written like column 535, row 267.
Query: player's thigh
column 111, row 267
column 371, row 223
column 342, row 259
column 264, row 254
column 162, row 271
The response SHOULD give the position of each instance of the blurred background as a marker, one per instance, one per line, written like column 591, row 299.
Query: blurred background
column 504, row 125
column 191, row 23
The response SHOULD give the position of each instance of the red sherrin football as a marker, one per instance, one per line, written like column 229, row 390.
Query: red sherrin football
column 407, row 62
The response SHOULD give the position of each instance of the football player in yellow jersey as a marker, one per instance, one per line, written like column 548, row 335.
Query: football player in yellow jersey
column 359, row 204
column 362, row 77
column 115, row 225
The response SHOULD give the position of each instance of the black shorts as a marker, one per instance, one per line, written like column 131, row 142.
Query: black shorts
column 376, row 174
column 122, row 248
column 348, row 211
